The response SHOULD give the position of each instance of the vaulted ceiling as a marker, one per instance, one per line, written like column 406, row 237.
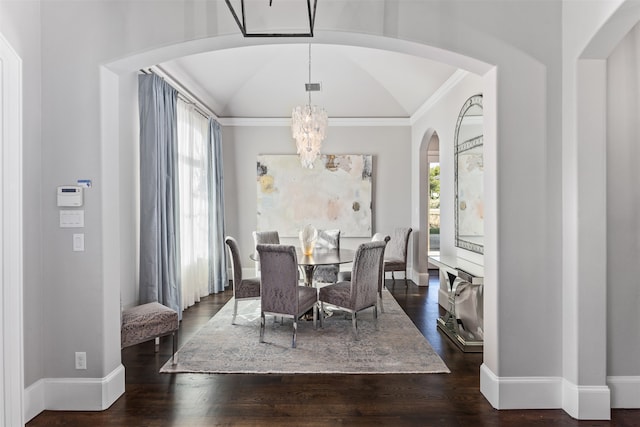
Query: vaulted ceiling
column 267, row 81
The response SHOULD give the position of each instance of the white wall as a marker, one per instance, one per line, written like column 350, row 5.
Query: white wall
column 390, row 147
column 526, row 251
column 20, row 25
column 590, row 33
column 623, row 208
column 128, row 187
column 442, row 118
column 71, row 146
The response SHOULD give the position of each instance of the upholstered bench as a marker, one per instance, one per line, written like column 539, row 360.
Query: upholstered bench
column 149, row 321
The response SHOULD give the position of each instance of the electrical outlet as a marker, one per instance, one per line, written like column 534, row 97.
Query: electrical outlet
column 81, row 360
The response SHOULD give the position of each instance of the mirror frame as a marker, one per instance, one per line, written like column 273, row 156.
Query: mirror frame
column 459, row 147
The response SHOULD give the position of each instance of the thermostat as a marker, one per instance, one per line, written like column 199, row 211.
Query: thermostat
column 69, row 195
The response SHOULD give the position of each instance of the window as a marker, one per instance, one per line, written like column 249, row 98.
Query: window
column 434, row 207
column 194, row 202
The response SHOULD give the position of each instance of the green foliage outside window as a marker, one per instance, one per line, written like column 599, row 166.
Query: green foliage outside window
column 434, row 186
column 434, row 207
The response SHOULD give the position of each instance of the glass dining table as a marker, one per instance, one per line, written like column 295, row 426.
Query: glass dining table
column 320, row 256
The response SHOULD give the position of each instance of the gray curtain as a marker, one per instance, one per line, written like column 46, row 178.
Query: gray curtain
column 159, row 202
column 218, row 261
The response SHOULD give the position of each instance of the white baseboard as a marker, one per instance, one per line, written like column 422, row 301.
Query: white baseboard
column 423, row 279
column 625, row 392
column 73, row 394
column 583, row 402
column 34, row 400
column 520, row 392
column 443, row 298
column 586, row 402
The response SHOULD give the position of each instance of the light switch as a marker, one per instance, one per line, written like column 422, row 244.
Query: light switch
column 78, row 242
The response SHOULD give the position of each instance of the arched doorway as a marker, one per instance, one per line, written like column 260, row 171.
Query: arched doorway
column 117, row 78
column 433, row 201
column 429, row 241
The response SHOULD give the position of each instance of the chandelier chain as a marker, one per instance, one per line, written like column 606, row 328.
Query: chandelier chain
column 308, row 89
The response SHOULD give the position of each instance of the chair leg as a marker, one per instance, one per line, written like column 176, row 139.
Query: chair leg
column 321, row 315
column 315, row 316
column 174, row 357
column 235, row 310
column 354, row 323
column 406, row 283
column 380, row 300
column 295, row 331
column 262, row 320
column 375, row 317
column 157, row 344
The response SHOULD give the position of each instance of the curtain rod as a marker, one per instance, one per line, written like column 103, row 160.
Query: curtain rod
column 184, row 93
column 196, row 108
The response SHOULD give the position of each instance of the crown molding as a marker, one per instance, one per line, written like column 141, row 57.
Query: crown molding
column 451, row 82
column 333, row 122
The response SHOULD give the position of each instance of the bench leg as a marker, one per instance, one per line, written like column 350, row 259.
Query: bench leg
column 174, row 339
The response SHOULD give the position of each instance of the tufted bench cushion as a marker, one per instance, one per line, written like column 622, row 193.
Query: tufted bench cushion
column 146, row 322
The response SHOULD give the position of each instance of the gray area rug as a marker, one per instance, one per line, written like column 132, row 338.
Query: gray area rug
column 220, row 347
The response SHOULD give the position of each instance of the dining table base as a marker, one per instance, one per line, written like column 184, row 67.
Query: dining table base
column 307, row 273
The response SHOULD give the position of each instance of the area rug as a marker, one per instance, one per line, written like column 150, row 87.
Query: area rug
column 220, row 347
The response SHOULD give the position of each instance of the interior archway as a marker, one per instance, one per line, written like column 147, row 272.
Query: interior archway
column 429, row 155
column 118, row 77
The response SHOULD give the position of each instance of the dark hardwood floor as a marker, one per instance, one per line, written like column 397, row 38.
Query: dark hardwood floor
column 154, row 399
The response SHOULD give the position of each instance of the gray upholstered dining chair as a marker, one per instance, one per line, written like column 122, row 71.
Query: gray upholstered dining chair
column 346, row 275
column 243, row 289
column 271, row 237
column 327, row 239
column 281, row 295
column 361, row 292
column 395, row 258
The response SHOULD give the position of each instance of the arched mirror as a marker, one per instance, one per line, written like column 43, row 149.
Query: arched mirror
column 469, row 179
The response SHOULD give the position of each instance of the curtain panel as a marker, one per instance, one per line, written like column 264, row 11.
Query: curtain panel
column 159, row 228
column 218, row 264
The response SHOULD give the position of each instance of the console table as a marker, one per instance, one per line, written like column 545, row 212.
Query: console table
column 463, row 320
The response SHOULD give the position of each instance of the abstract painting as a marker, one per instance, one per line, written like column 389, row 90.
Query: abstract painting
column 334, row 194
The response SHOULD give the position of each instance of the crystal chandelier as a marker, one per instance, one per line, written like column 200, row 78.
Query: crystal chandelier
column 309, row 126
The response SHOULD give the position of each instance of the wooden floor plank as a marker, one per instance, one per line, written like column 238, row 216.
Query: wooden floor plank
column 187, row 400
